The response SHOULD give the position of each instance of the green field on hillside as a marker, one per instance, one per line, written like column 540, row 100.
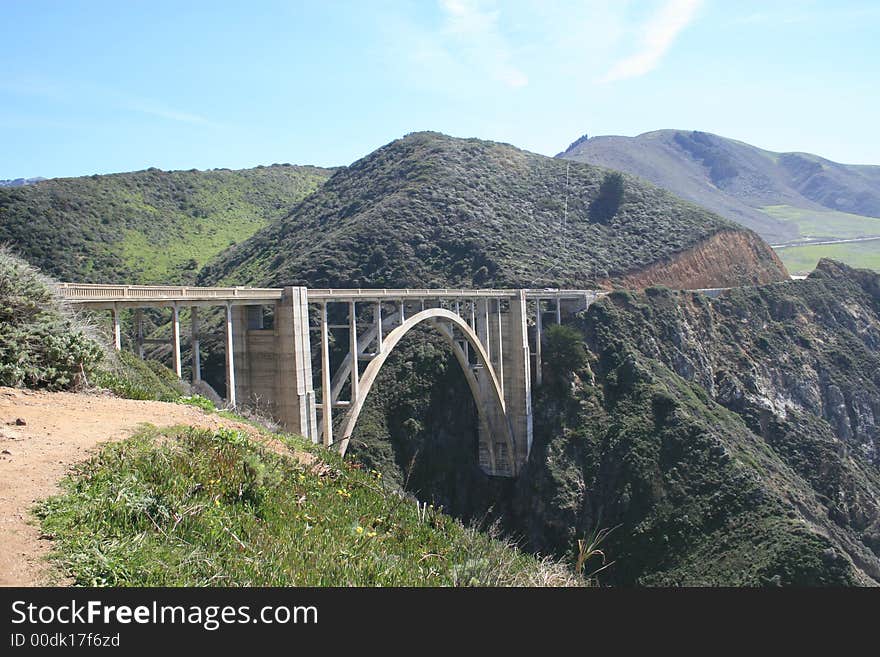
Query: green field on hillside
column 828, row 224
column 803, row 259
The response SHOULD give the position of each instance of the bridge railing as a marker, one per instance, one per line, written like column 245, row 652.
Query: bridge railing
column 85, row 292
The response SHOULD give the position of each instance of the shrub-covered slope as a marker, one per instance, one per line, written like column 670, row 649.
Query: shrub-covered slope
column 431, row 210
column 730, row 441
column 41, row 343
column 148, row 226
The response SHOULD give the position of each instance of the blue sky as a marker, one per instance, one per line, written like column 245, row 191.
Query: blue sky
column 96, row 87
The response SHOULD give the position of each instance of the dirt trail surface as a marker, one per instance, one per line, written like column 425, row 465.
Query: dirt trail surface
column 42, row 435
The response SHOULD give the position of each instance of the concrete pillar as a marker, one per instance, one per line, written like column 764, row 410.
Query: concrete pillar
column 558, row 310
column 117, row 334
column 139, row 332
column 196, row 344
column 326, row 396
column 230, row 358
column 402, row 310
column 517, row 377
column 175, row 340
column 473, row 314
column 482, row 327
column 294, row 403
column 539, row 320
column 353, row 349
column 498, row 349
column 241, row 354
column 377, row 318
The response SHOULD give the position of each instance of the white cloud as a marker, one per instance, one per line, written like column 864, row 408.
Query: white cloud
column 154, row 109
column 476, row 30
column 658, row 35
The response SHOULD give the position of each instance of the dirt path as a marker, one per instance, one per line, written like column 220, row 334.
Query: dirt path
column 59, row 430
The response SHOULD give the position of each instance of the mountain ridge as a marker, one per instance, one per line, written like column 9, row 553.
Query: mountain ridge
column 432, row 210
column 740, row 181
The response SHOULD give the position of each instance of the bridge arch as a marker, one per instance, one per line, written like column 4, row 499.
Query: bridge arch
column 488, row 395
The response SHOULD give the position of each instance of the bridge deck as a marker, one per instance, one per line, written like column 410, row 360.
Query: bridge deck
column 92, row 295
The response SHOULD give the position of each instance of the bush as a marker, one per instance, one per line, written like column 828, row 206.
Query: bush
column 42, row 345
column 128, row 376
column 564, row 350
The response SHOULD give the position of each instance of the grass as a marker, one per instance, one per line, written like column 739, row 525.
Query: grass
column 190, row 507
column 803, row 259
column 828, row 224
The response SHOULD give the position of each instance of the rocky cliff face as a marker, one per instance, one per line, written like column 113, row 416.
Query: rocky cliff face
column 729, row 441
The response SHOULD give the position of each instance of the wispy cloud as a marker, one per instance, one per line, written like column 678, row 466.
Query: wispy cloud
column 657, row 36
column 476, row 30
column 154, row 109
column 86, row 95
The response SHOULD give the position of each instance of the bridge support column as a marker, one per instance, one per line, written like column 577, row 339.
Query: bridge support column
column 139, row 332
column 354, row 352
column 273, row 367
column 517, row 377
column 295, row 400
column 175, row 340
column 196, row 345
column 230, row 357
column 539, row 322
column 117, row 334
column 326, row 395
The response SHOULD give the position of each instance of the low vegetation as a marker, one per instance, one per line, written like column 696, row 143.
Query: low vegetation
column 430, row 210
column 188, row 507
column 148, row 226
column 42, row 345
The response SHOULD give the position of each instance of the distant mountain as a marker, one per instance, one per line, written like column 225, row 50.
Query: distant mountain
column 432, row 210
column 782, row 196
column 20, row 182
column 148, row 226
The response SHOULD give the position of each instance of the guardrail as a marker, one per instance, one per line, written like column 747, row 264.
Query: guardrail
column 94, row 292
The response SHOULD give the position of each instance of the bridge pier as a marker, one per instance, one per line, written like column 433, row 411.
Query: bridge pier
column 272, row 368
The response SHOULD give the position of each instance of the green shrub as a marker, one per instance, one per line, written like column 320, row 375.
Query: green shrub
column 199, row 402
column 42, row 345
column 564, row 350
column 128, row 376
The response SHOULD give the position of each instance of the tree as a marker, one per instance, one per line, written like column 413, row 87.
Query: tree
column 607, row 201
column 564, row 350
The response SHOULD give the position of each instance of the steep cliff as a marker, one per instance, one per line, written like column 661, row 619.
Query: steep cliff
column 729, row 441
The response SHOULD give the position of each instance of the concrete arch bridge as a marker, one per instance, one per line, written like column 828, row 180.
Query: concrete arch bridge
column 495, row 335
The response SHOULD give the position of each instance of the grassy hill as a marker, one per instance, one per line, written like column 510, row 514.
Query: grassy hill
column 785, row 197
column 148, row 226
column 432, row 210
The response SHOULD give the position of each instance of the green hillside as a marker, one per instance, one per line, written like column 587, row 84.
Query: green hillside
column 728, row 441
column 432, row 210
column 785, row 197
column 148, row 226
